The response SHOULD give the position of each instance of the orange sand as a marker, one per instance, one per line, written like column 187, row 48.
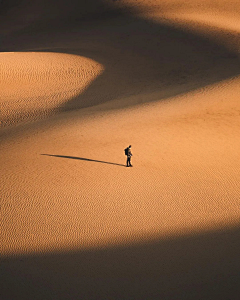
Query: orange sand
column 35, row 84
column 185, row 154
column 73, row 98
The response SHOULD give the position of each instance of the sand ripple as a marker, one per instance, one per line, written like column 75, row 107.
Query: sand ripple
column 35, row 84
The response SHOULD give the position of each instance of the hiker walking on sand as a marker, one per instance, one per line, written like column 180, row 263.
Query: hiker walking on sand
column 128, row 152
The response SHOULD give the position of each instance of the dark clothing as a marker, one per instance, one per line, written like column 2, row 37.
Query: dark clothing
column 129, row 156
column 129, row 161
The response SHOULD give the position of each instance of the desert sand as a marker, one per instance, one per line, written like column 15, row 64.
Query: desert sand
column 79, row 83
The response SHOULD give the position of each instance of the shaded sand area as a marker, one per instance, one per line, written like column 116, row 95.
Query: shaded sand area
column 76, row 223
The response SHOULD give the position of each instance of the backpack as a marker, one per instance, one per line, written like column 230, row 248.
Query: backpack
column 126, row 151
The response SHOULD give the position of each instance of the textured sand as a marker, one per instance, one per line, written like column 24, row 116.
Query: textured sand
column 185, row 174
column 73, row 98
column 36, row 84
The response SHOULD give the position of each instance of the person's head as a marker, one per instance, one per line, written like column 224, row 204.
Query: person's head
column 129, row 146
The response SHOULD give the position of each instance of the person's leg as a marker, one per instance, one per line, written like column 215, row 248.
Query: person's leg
column 130, row 163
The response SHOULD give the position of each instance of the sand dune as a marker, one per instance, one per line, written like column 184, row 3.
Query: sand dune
column 80, row 84
column 188, row 181
column 34, row 85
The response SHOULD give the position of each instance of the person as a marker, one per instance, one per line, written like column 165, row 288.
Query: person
column 129, row 156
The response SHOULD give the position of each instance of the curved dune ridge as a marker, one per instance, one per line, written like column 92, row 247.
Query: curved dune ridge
column 218, row 20
column 64, row 184
column 80, row 81
column 34, row 85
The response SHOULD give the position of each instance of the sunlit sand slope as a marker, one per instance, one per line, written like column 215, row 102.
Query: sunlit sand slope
column 152, row 57
column 35, row 85
column 219, row 20
column 65, row 184
column 86, row 79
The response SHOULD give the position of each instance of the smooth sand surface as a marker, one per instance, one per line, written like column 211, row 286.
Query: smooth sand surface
column 76, row 223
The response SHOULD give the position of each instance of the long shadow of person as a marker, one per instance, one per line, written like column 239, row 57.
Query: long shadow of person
column 86, row 159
